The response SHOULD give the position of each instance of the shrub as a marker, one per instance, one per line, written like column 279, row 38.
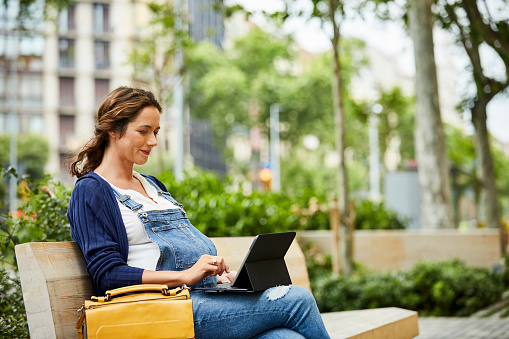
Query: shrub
column 371, row 215
column 43, row 218
column 433, row 289
column 216, row 210
column 451, row 288
column 12, row 311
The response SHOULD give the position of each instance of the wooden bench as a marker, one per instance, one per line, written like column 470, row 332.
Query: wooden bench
column 54, row 282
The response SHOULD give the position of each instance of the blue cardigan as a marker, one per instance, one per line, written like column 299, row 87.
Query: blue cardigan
column 98, row 229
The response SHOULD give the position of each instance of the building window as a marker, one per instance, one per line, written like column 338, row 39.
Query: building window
column 24, row 45
column 10, row 12
column 66, row 49
column 3, row 86
column 30, row 123
column 30, row 88
column 36, row 124
column 66, row 128
column 30, row 63
column 66, row 91
column 101, row 18
column 102, row 88
column 67, row 19
column 31, row 45
column 102, row 54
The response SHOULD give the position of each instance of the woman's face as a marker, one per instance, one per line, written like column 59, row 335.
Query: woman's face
column 139, row 138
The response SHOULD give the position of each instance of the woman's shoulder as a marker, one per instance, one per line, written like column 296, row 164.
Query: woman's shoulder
column 91, row 184
column 90, row 192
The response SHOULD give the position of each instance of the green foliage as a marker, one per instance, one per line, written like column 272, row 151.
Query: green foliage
column 12, row 310
column 33, row 154
column 48, row 203
column 433, row 289
column 219, row 208
column 43, row 217
column 230, row 87
column 460, row 149
column 397, row 120
column 154, row 58
column 368, row 215
column 258, row 51
column 304, row 171
column 217, row 211
column 461, row 152
column 371, row 215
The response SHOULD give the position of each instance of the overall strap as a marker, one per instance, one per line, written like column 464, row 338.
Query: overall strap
column 164, row 194
column 126, row 200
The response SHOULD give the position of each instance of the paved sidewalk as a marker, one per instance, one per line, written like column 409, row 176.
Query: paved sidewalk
column 463, row 328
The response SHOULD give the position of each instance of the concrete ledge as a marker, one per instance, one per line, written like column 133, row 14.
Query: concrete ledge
column 378, row 323
column 402, row 249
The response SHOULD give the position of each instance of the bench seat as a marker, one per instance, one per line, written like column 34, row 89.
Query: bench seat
column 54, row 282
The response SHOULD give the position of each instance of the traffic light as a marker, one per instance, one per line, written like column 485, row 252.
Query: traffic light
column 265, row 176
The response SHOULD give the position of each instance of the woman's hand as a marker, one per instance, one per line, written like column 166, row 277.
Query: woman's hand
column 226, row 277
column 206, row 266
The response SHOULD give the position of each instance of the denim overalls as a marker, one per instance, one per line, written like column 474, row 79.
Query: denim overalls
column 180, row 243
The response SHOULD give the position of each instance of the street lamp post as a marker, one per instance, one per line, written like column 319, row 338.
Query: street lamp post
column 178, row 100
column 13, row 117
column 374, row 154
column 274, row 148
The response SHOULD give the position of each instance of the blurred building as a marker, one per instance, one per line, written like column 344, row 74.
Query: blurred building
column 65, row 67
column 85, row 57
column 21, row 53
column 205, row 23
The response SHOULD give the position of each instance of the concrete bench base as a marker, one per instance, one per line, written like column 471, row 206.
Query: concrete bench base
column 379, row 323
column 54, row 282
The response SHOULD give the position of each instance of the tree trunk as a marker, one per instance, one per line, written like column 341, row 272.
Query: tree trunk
column 485, row 170
column 339, row 117
column 436, row 206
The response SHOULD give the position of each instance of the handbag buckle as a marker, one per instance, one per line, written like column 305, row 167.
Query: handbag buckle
column 81, row 310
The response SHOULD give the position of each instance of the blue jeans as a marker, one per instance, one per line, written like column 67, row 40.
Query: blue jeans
column 280, row 312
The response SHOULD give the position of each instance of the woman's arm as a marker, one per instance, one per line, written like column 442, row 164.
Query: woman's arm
column 206, row 266
column 98, row 229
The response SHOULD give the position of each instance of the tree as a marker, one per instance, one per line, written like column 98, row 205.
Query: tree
column 476, row 29
column 331, row 13
column 27, row 7
column 153, row 57
column 232, row 87
column 397, row 121
column 431, row 153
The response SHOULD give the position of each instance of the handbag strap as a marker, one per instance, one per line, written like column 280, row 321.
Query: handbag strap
column 81, row 320
column 140, row 288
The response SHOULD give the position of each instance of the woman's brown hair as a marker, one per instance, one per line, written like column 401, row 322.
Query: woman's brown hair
column 120, row 107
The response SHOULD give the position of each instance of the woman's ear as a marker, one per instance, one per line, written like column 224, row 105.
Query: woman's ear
column 113, row 135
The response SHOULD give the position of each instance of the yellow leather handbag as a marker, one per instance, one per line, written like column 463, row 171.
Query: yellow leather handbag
column 138, row 311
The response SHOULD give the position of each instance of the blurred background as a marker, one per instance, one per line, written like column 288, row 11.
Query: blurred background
column 333, row 118
column 222, row 70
